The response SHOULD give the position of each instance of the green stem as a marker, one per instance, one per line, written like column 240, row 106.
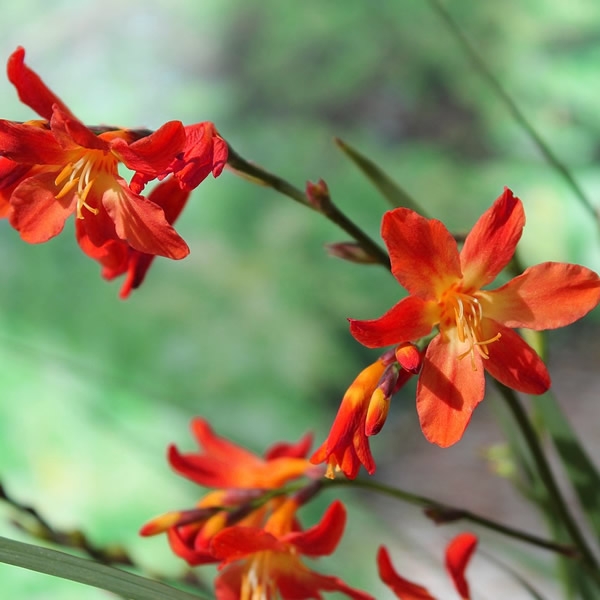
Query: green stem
column 445, row 513
column 485, row 72
column 555, row 495
column 329, row 209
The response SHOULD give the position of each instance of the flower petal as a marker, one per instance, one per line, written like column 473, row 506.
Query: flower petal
column 31, row 89
column 546, row 296
column 513, row 362
column 237, row 542
column 423, row 253
column 323, row 538
column 492, row 242
column 37, row 215
column 458, row 555
column 410, row 319
column 448, row 390
column 30, row 144
column 403, row 588
column 142, row 223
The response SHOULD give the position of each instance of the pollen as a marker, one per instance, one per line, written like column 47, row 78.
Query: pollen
column 81, row 175
column 464, row 311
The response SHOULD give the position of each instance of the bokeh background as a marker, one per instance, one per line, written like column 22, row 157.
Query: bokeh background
column 249, row 331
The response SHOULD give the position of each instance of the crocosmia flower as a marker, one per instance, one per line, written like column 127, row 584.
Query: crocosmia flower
column 362, row 413
column 264, row 563
column 57, row 167
column 458, row 555
column 448, row 291
column 239, row 477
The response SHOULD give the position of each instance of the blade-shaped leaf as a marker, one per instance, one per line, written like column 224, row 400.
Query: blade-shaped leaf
column 582, row 473
column 88, row 572
column 389, row 189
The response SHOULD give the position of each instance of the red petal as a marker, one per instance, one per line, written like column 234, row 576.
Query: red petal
column 423, row 253
column 513, row 362
column 31, row 89
column 545, row 296
column 286, row 449
column 458, row 555
column 37, row 214
column 70, row 132
column 30, row 145
column 492, row 242
column 234, row 543
column 142, row 224
column 321, row 539
column 152, row 154
column 404, row 589
column 448, row 391
column 410, row 319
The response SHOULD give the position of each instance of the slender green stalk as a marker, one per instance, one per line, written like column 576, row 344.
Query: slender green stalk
column 444, row 513
column 546, row 475
column 328, row 209
column 482, row 68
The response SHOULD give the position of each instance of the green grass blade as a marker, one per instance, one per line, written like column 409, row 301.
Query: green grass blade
column 388, row 188
column 88, row 572
column 581, row 471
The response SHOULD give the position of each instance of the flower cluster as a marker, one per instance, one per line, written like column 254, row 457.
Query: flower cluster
column 475, row 326
column 248, row 524
column 54, row 167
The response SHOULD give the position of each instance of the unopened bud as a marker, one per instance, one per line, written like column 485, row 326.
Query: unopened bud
column 317, row 195
column 350, row 251
column 409, row 357
column 379, row 404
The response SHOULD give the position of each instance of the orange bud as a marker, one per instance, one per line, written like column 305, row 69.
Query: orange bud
column 409, row 357
column 377, row 412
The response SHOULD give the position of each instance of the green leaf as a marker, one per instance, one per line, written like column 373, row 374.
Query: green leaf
column 88, row 572
column 389, row 189
column 580, row 470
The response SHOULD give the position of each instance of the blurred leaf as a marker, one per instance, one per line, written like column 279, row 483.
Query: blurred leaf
column 66, row 566
column 389, row 189
column 582, row 473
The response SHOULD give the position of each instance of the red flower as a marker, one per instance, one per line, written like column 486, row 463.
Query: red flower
column 458, row 555
column 57, row 166
column 242, row 478
column 265, row 562
column 475, row 324
column 119, row 258
column 362, row 413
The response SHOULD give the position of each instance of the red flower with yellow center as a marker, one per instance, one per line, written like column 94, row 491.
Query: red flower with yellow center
column 458, row 555
column 264, row 563
column 447, row 290
column 56, row 167
column 241, row 478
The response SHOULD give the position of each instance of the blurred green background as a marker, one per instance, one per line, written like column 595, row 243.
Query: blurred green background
column 249, row 331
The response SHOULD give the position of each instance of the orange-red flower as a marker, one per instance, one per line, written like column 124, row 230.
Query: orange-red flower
column 56, row 167
column 363, row 411
column 265, row 562
column 458, row 555
column 240, row 477
column 448, row 291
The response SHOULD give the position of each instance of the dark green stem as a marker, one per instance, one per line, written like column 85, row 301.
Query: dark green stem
column 555, row 495
column 485, row 72
column 443, row 513
column 329, row 210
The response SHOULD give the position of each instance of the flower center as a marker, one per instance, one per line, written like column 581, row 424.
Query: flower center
column 464, row 311
column 256, row 582
column 80, row 175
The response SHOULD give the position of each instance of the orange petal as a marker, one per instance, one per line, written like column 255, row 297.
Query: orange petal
column 513, row 362
column 546, row 296
column 492, row 242
column 141, row 223
column 410, row 319
column 448, row 390
column 403, row 588
column 458, row 555
column 323, row 538
column 423, row 253
column 37, row 214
